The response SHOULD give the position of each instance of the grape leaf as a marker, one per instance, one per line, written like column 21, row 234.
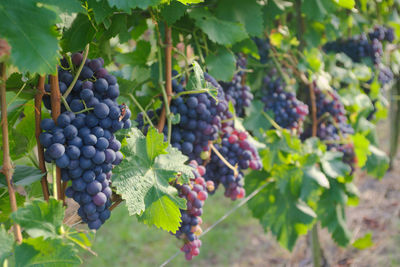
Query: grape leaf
column 219, row 31
column 222, row 64
column 71, row 6
column 173, row 12
column 143, row 177
column 127, row 5
column 45, row 252
column 34, row 45
column 185, row 2
column 6, row 244
column 330, row 210
column 137, row 57
column 247, row 13
column 286, row 216
column 312, row 172
column 333, row 166
column 363, row 242
column 23, row 175
column 256, row 122
column 101, row 10
column 5, row 208
column 361, row 148
column 349, row 4
column 377, row 162
column 79, row 34
column 40, row 218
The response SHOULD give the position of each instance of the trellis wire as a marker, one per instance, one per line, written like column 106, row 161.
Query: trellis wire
column 244, row 201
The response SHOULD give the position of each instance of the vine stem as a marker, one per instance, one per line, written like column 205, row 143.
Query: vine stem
column 316, row 248
column 7, row 167
column 167, row 90
column 300, row 24
column 38, row 117
column 85, row 54
column 313, row 109
column 233, row 168
column 55, row 97
column 141, row 109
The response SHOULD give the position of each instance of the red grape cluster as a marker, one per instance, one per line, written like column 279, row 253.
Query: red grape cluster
column 239, row 152
column 195, row 194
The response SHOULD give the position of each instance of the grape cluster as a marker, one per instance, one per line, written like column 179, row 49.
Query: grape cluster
column 356, row 48
column 382, row 33
column 333, row 124
column 238, row 151
column 195, row 194
column 235, row 91
column 263, row 46
column 200, row 121
column 289, row 112
column 82, row 142
column 385, row 75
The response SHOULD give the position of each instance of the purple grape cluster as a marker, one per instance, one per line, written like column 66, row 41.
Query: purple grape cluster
column 360, row 47
column 385, row 75
column 237, row 150
column 263, row 46
column 382, row 33
column 333, row 125
column 289, row 112
column 82, row 142
column 195, row 194
column 236, row 91
column 356, row 48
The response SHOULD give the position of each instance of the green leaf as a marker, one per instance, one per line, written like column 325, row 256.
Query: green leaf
column 79, row 34
column 219, row 31
column 40, row 218
column 71, row 6
column 285, row 215
column 143, row 177
column 101, row 9
column 137, row 57
column 5, row 207
column 23, row 175
column 185, row 2
column 6, row 244
column 247, row 13
column 173, row 11
column 333, row 166
column 222, row 64
column 45, row 252
column 127, row 5
column 315, row 174
column 30, row 31
column 363, row 242
column 314, row 9
column 361, row 148
column 349, row 4
column 377, row 162
column 331, row 212
column 256, row 122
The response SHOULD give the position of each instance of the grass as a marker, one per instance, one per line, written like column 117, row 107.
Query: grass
column 122, row 241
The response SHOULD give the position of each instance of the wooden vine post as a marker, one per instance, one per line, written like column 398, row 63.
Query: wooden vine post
column 317, row 253
column 7, row 169
column 55, row 112
column 38, row 117
column 168, row 78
